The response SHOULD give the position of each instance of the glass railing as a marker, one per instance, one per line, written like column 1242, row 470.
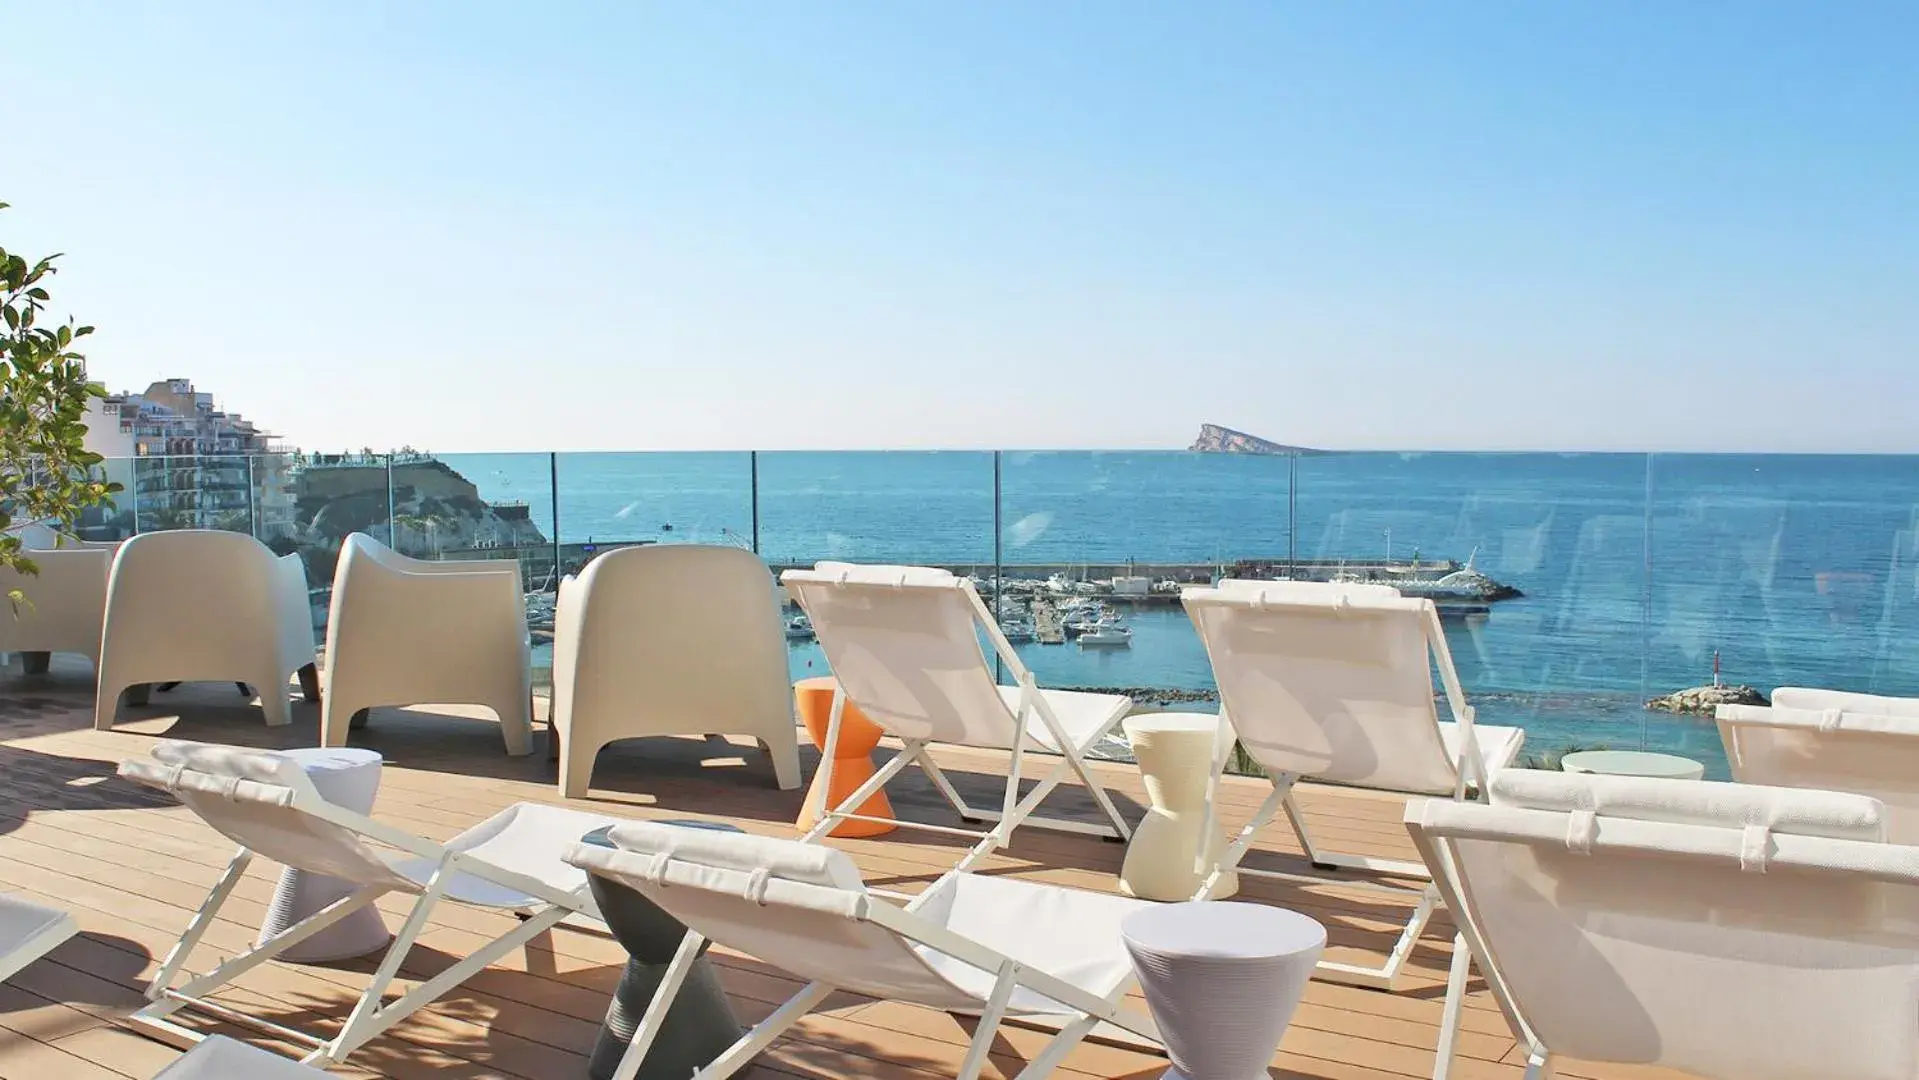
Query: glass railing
column 1573, row 588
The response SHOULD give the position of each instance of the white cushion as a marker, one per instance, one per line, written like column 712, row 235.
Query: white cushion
column 1692, row 802
column 885, row 574
column 261, row 766
column 1802, row 697
column 811, row 864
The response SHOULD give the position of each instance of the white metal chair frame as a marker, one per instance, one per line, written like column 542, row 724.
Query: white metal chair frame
column 1013, row 811
column 1877, row 861
column 1468, row 766
column 898, row 920
column 369, row 1017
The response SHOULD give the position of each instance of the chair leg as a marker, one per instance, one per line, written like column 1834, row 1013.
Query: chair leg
column 1539, row 1065
column 310, row 683
column 576, row 767
column 35, row 663
column 989, row 1018
column 140, row 694
column 1450, row 1015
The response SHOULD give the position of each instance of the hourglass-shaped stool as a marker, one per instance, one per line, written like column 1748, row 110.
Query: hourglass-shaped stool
column 852, row 759
column 1175, row 756
column 1222, row 981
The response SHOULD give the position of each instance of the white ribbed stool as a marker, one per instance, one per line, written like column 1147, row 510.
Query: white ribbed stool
column 1222, row 981
column 347, row 777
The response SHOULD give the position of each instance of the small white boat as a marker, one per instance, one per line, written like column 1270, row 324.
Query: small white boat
column 799, row 628
column 1017, row 631
column 1108, row 634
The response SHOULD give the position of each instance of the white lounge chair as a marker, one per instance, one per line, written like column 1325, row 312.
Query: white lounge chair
column 66, row 600
column 971, row 943
column 670, row 639
column 1727, row 931
column 265, row 803
column 220, row 1058
column 1807, row 697
column 200, row 604
column 406, row 631
column 1837, row 748
column 29, row 931
column 1334, row 682
column 903, row 643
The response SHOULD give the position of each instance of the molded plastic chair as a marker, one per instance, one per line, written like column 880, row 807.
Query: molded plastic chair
column 406, row 631
column 1727, row 931
column 66, row 601
column 903, row 641
column 199, row 604
column 1836, row 748
column 1333, row 682
column 670, row 639
column 264, row 802
column 975, row 944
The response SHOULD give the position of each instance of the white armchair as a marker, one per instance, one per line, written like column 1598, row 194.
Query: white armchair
column 65, row 601
column 670, row 639
column 202, row 605
column 406, row 631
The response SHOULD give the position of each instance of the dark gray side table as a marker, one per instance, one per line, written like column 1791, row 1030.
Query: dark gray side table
column 699, row 1025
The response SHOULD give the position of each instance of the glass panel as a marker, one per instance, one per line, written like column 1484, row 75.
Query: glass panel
column 617, row 500
column 933, row 508
column 183, row 491
column 1782, row 570
column 310, row 503
column 1564, row 658
column 1096, row 545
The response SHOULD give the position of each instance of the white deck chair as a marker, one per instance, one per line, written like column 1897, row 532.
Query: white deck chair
column 1728, row 931
column 1334, row 682
column 220, row 1058
column 990, row 946
column 264, row 802
column 29, row 931
column 1830, row 749
column 902, row 641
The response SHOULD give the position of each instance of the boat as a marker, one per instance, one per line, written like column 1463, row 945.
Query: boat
column 799, row 628
column 1018, row 631
column 1108, row 634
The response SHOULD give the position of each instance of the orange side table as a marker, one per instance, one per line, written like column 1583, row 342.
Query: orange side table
column 852, row 758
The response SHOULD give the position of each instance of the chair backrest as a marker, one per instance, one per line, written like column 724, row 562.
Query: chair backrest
column 243, row 597
column 262, row 801
column 1832, row 749
column 66, row 601
column 1728, row 931
column 903, row 641
column 801, row 907
column 1332, row 681
column 678, row 637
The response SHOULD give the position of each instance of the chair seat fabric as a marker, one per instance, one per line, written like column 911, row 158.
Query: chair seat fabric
column 1498, row 746
column 525, row 838
column 1070, row 934
column 1084, row 717
column 221, row 1058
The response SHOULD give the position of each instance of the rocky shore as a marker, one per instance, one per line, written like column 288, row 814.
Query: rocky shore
column 1702, row 700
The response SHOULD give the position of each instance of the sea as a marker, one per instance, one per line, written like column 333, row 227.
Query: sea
column 1641, row 573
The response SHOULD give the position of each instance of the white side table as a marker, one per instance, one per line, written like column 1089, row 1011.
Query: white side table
column 1222, row 981
column 1633, row 763
column 1175, row 756
column 347, row 777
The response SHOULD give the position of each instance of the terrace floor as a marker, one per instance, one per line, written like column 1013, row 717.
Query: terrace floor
column 133, row 866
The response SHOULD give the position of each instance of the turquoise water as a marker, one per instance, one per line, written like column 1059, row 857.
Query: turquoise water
column 1636, row 568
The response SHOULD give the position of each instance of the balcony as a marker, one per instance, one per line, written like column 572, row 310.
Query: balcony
column 133, row 865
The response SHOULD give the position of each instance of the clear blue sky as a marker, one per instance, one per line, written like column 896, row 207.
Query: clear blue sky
column 473, row 226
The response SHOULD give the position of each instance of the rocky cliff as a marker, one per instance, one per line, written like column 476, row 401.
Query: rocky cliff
column 1214, row 439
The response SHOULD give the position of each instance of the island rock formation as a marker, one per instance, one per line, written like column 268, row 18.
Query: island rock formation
column 1703, row 700
column 1214, row 439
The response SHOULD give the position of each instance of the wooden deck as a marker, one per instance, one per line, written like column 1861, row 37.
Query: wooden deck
column 132, row 866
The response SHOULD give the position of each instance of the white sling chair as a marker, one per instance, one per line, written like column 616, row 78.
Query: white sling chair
column 984, row 945
column 29, row 931
column 1333, row 682
column 1727, row 931
column 1831, row 749
column 902, row 642
column 264, row 802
